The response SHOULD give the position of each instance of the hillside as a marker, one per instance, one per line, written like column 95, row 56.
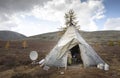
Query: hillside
column 10, row 35
column 90, row 37
column 15, row 61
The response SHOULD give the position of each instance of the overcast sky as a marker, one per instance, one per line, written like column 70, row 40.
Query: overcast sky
column 31, row 17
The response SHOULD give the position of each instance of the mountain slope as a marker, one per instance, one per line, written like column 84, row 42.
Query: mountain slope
column 96, row 36
column 10, row 35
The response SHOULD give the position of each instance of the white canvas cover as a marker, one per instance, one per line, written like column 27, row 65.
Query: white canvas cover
column 58, row 55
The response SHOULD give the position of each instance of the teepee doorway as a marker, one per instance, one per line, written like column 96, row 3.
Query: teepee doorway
column 76, row 55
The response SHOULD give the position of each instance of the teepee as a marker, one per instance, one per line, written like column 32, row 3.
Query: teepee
column 58, row 55
column 72, row 42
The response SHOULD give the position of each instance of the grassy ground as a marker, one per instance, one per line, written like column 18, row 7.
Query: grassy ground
column 15, row 62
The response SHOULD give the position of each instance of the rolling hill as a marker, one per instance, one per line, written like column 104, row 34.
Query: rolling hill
column 10, row 35
column 96, row 36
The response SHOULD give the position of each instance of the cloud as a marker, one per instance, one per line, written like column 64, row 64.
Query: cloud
column 29, row 25
column 112, row 24
column 86, row 11
column 11, row 10
column 13, row 6
column 7, row 22
column 21, row 15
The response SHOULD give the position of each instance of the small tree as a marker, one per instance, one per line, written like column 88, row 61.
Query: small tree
column 70, row 20
column 7, row 45
column 24, row 44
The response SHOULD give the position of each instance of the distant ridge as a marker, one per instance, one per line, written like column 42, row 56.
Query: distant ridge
column 10, row 35
column 95, row 36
